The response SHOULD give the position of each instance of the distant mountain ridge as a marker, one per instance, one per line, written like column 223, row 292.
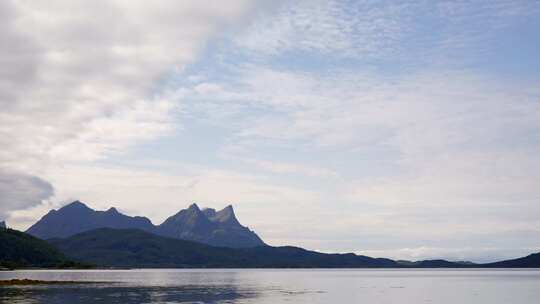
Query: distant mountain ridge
column 135, row 248
column 208, row 226
column 139, row 249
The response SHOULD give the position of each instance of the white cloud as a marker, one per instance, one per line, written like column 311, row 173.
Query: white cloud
column 408, row 33
column 207, row 88
column 79, row 79
column 291, row 168
column 337, row 27
column 456, row 144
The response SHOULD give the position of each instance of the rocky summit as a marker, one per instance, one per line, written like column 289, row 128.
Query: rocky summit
column 217, row 228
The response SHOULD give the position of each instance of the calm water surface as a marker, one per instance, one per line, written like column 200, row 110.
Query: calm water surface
column 279, row 286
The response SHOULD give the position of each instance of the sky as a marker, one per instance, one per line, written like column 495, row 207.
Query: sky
column 401, row 129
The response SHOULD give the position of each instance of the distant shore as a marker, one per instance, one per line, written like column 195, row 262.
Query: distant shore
column 22, row 282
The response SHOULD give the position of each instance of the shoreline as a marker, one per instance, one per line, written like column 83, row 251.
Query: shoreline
column 27, row 282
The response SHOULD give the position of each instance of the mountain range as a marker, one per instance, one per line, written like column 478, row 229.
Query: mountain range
column 191, row 238
column 132, row 248
column 207, row 226
column 107, row 247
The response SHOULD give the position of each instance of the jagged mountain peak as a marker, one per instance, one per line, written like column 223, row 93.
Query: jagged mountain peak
column 228, row 209
column 194, row 207
column 225, row 215
column 113, row 210
column 218, row 228
column 191, row 214
column 76, row 205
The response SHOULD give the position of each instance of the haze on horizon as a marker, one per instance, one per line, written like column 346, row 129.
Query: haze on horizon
column 402, row 129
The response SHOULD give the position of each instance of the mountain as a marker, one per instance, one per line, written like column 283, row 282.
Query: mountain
column 137, row 248
column 3, row 225
column 530, row 261
column 77, row 217
column 134, row 248
column 20, row 250
column 217, row 228
column 436, row 264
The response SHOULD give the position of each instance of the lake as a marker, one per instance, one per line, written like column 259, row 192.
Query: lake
column 450, row 286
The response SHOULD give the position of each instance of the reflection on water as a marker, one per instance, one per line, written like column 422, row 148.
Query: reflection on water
column 316, row 286
column 123, row 294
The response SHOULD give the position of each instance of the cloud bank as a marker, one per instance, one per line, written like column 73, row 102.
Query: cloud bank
column 21, row 191
column 79, row 80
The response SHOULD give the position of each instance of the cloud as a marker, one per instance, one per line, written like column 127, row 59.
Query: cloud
column 429, row 149
column 352, row 108
column 474, row 254
column 80, row 81
column 21, row 191
column 406, row 33
column 343, row 28
column 291, row 168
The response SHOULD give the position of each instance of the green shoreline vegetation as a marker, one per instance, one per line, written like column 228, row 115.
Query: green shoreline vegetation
column 19, row 250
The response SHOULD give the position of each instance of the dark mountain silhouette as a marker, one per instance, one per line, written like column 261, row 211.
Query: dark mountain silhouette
column 109, row 247
column 19, row 250
column 217, row 228
column 77, row 217
column 530, row 261
column 3, row 225
column 136, row 248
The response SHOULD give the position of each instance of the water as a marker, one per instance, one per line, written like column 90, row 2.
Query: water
column 278, row 286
